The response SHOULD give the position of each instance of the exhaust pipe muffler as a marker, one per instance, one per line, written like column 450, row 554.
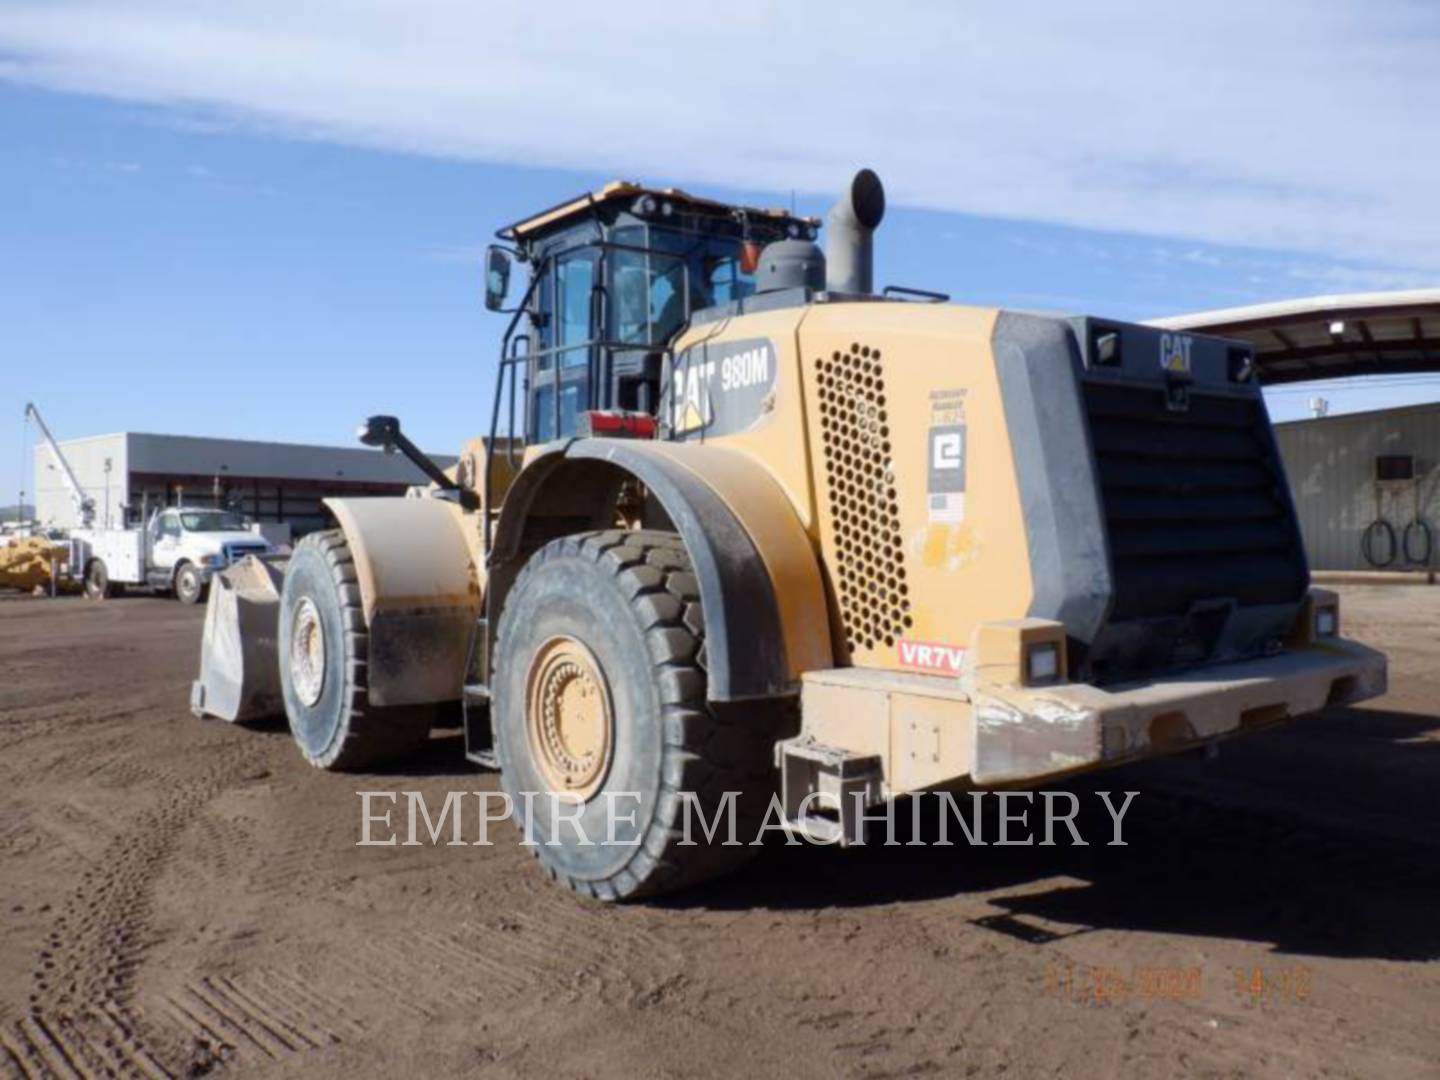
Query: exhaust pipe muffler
column 850, row 235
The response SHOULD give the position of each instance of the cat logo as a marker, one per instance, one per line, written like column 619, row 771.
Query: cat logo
column 1175, row 353
column 692, row 411
column 720, row 388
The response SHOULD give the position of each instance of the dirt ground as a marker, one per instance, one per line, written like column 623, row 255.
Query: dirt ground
column 180, row 897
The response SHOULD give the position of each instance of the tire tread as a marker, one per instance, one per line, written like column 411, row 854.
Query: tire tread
column 706, row 748
column 369, row 734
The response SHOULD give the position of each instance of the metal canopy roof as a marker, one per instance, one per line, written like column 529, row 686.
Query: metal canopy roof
column 1330, row 337
column 624, row 189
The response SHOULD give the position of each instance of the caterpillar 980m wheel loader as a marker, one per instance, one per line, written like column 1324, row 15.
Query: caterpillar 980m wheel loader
column 741, row 525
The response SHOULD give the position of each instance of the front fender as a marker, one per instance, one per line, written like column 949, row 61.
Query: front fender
column 420, row 592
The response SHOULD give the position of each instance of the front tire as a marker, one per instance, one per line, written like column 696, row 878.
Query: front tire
column 600, row 691
column 324, row 654
column 189, row 586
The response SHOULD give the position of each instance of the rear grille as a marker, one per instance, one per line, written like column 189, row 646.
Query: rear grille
column 1195, row 502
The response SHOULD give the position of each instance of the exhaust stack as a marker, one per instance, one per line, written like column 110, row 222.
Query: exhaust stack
column 850, row 235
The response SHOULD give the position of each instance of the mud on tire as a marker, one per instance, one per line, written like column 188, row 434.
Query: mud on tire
column 632, row 600
column 324, row 650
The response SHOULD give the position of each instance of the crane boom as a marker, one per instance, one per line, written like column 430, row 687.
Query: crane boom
column 83, row 502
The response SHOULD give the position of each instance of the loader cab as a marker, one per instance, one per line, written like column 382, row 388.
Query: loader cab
column 614, row 277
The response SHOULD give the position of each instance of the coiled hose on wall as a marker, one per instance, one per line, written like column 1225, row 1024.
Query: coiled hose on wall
column 1421, row 529
column 1379, row 527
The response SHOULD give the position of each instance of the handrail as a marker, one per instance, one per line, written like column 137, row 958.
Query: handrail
column 596, row 347
column 507, row 363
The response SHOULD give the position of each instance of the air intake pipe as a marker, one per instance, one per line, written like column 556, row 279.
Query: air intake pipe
column 850, row 235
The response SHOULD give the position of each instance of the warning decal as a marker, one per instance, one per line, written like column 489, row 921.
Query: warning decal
column 946, row 488
column 946, row 458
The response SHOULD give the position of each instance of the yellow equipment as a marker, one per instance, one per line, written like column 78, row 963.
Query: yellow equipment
column 28, row 562
column 744, row 528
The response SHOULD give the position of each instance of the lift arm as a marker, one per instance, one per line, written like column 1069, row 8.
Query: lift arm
column 83, row 503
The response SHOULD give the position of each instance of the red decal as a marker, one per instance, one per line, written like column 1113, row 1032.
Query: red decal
column 928, row 656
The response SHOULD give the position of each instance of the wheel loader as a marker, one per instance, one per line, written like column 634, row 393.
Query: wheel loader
column 746, row 533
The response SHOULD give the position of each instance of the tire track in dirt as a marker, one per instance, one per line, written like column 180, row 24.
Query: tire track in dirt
column 19, row 728
column 81, row 1021
column 424, row 974
column 100, row 1044
column 242, row 1020
column 533, row 941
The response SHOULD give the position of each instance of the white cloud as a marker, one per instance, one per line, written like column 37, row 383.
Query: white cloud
column 1296, row 124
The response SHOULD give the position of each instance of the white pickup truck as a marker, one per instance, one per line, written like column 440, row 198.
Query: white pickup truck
column 178, row 550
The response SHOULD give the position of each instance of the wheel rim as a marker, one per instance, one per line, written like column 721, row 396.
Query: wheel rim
column 307, row 652
column 569, row 718
column 187, row 582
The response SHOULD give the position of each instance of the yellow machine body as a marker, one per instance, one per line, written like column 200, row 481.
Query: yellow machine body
column 903, row 613
column 971, row 547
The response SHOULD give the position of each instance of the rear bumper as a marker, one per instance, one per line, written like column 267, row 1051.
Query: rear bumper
column 868, row 735
column 1024, row 735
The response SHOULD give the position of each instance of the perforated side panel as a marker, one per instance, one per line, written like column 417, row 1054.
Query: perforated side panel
column 860, row 485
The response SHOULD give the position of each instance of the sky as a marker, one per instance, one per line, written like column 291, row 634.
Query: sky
column 263, row 219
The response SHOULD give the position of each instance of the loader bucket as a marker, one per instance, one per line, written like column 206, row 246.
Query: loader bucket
column 239, row 665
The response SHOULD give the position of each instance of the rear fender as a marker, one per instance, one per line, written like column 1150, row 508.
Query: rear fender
column 420, row 589
column 766, row 616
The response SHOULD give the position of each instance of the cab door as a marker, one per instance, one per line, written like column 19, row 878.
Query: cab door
column 561, row 370
column 165, row 546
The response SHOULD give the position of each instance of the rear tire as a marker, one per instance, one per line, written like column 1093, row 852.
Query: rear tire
column 619, row 614
column 97, row 581
column 189, row 588
column 324, row 650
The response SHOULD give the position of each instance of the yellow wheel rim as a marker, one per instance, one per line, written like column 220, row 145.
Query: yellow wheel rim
column 569, row 718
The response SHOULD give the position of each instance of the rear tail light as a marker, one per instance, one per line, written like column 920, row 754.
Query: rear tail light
column 614, row 424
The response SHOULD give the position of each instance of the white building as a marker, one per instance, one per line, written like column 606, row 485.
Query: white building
column 1365, row 487
column 130, row 472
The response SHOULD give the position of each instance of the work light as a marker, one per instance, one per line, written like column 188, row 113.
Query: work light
column 1042, row 663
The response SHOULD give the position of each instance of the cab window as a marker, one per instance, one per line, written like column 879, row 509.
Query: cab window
column 648, row 284
column 545, row 427
column 574, row 288
column 726, row 280
column 560, row 368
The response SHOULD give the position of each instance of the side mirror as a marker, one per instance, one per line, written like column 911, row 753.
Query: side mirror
column 497, row 277
column 382, row 432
